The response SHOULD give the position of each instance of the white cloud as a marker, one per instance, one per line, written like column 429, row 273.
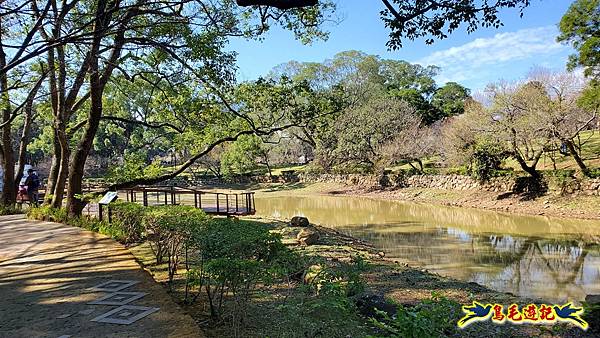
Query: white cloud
column 486, row 57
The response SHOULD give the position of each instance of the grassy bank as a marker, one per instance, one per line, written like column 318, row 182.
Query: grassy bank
column 292, row 309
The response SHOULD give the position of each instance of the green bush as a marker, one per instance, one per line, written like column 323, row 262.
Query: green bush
column 594, row 173
column 486, row 158
column 169, row 228
column 232, row 257
column 564, row 180
column 9, row 210
column 59, row 215
column 47, row 213
column 430, row 318
column 128, row 217
column 343, row 279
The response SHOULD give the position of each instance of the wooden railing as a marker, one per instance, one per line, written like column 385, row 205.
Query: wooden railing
column 217, row 203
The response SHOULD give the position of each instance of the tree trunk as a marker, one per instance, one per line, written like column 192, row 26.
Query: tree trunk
column 576, row 157
column 97, row 83
column 528, row 169
column 24, row 141
column 420, row 163
column 53, row 175
column 63, row 169
column 9, row 193
column 522, row 162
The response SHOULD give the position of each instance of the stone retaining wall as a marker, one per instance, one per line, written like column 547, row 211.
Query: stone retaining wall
column 456, row 182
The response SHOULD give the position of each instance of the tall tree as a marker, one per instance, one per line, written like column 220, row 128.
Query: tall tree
column 580, row 27
column 449, row 100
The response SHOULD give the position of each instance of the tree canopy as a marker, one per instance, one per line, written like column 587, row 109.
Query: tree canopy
column 580, row 27
column 137, row 81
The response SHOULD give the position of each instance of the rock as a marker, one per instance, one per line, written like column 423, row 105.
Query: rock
column 592, row 299
column 368, row 302
column 299, row 221
column 308, row 236
column 311, row 273
column 381, row 254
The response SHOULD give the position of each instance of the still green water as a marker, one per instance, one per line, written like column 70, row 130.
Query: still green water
column 551, row 258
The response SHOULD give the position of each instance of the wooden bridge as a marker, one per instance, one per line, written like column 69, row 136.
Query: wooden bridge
column 215, row 203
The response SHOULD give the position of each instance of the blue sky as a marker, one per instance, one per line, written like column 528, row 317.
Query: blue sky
column 473, row 59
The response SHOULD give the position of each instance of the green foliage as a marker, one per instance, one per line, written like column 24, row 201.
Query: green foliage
column 47, row 213
column 564, row 180
column 60, row 215
column 363, row 130
column 9, row 210
column 430, row 318
column 232, row 257
column 129, row 218
column 485, row 159
column 421, row 105
column 240, row 156
column 341, row 281
column 134, row 166
column 580, row 26
column 438, row 19
column 325, row 304
column 590, row 97
column 461, row 170
column 449, row 100
column 594, row 173
column 169, row 228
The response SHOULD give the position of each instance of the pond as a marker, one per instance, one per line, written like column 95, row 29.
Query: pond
column 533, row 256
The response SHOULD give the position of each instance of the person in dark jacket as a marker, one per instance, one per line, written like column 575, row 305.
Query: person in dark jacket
column 32, row 182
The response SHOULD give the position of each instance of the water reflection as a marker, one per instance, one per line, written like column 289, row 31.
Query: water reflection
column 550, row 258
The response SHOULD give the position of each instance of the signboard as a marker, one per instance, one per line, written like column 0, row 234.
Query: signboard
column 109, row 197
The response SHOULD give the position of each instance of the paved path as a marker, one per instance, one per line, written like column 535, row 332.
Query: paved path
column 46, row 272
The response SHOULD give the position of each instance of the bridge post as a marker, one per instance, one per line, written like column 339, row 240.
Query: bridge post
column 144, row 197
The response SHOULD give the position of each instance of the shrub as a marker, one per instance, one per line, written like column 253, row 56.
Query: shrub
column 8, row 210
column 128, row 217
column 47, row 213
column 594, row 173
column 341, row 280
column 232, row 258
column 430, row 318
column 168, row 230
column 564, row 180
column 59, row 215
column 486, row 158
